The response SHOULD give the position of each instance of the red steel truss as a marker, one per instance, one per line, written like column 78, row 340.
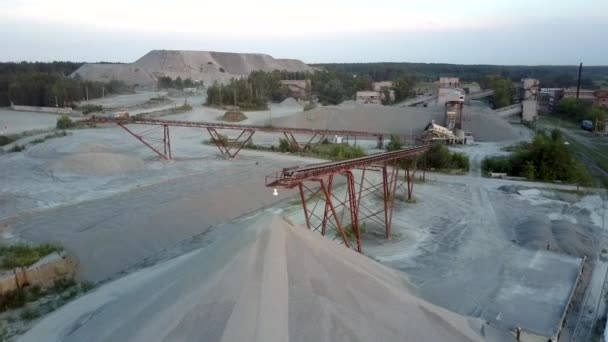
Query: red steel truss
column 227, row 147
column 344, row 213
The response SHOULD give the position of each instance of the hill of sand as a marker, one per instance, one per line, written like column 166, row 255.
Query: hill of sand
column 127, row 73
column 480, row 121
column 206, row 66
column 271, row 282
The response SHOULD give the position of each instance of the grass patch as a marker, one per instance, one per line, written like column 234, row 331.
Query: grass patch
column 49, row 136
column 182, row 109
column 16, row 256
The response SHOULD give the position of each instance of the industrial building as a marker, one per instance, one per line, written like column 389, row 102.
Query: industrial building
column 300, row 89
column 369, row 97
column 530, row 91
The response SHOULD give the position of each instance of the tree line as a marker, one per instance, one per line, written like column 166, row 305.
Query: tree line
column 546, row 158
column 165, row 82
column 549, row 76
column 251, row 93
column 47, row 84
column 573, row 109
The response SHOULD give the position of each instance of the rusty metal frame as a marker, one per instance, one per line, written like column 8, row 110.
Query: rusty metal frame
column 147, row 139
column 230, row 147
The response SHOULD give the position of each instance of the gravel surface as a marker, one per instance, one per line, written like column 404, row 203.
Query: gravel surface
column 271, row 282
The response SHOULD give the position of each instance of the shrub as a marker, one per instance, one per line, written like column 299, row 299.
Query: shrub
column 440, row 157
column 89, row 108
column 394, row 144
column 17, row 148
column 64, row 122
column 29, row 314
column 5, row 140
column 284, row 145
column 12, row 299
column 345, row 151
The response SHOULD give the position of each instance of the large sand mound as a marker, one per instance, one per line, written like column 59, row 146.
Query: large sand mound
column 272, row 282
column 206, row 66
column 130, row 74
column 98, row 163
column 399, row 120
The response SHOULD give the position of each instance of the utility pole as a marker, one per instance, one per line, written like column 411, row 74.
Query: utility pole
column 86, row 88
column 578, row 83
column 103, row 92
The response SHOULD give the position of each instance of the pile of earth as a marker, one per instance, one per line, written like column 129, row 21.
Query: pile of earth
column 271, row 282
column 205, row 66
column 399, row 120
column 97, row 164
column 234, row 116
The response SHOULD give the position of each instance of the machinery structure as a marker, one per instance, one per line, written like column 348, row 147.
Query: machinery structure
column 344, row 215
column 160, row 143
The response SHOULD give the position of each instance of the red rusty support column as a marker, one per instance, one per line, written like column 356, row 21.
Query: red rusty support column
column 407, row 178
column 165, row 139
column 330, row 183
column 334, row 213
column 303, row 199
column 232, row 155
column 395, row 180
column 387, row 197
column 169, row 143
column 354, row 213
column 142, row 140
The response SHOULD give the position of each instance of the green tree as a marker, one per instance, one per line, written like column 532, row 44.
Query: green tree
column 394, row 144
column 503, row 93
column 574, row 109
column 332, row 92
column 404, row 88
column 529, row 170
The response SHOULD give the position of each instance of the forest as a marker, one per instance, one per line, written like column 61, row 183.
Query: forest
column 549, row 76
column 46, row 84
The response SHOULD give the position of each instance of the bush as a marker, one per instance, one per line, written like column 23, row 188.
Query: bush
column 547, row 158
column 29, row 314
column 439, row 157
column 12, row 299
column 345, row 151
column 17, row 148
column 284, row 145
column 394, row 144
column 64, row 122
column 89, row 108
column 5, row 140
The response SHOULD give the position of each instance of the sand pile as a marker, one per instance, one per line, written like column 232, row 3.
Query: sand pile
column 127, row 73
column 206, row 66
column 560, row 235
column 234, row 116
column 290, row 102
column 399, row 120
column 271, row 282
column 98, row 164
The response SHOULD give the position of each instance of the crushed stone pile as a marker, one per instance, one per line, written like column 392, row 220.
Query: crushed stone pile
column 289, row 102
column 234, row 116
column 399, row 120
column 272, row 282
column 206, row 66
column 98, row 164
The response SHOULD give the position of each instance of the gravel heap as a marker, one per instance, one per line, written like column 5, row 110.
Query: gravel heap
column 271, row 282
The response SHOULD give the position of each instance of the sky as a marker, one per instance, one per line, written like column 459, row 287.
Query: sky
column 511, row 32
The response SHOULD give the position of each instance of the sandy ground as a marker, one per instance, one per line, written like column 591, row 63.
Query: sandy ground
column 115, row 214
column 270, row 282
column 478, row 247
column 13, row 122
